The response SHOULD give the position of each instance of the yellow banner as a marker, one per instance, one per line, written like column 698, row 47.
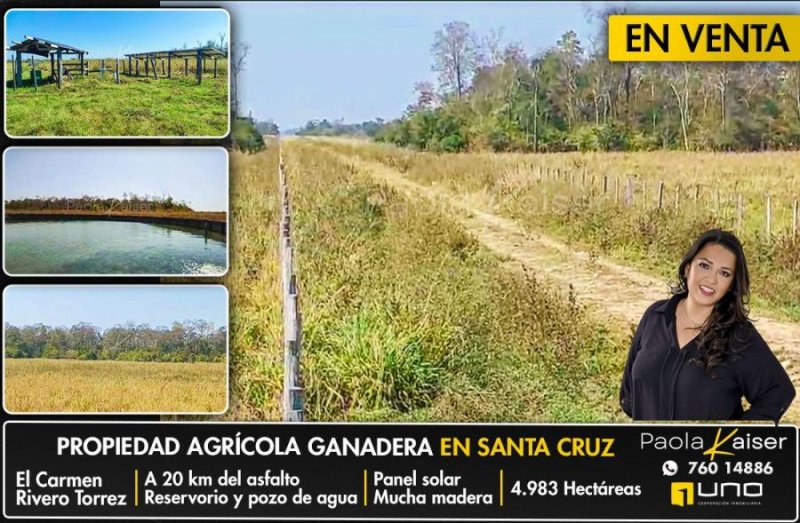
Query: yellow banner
column 703, row 38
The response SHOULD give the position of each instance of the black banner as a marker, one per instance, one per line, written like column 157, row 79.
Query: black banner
column 248, row 470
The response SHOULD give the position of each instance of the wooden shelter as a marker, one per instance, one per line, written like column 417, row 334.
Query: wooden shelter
column 198, row 54
column 45, row 48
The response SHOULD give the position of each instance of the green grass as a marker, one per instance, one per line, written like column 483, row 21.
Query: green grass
column 90, row 106
column 407, row 317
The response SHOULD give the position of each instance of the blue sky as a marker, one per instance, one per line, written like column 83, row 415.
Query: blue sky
column 197, row 175
column 106, row 306
column 360, row 60
column 111, row 34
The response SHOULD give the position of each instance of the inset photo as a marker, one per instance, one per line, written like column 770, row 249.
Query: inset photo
column 117, row 73
column 133, row 349
column 115, row 211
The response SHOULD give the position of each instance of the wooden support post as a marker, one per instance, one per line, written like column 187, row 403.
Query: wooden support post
column 18, row 68
column 147, row 66
column 102, row 68
column 137, row 66
column 60, row 68
column 130, row 64
column 215, row 67
column 605, row 184
column 33, row 74
column 163, row 71
column 616, row 190
column 155, row 67
column 169, row 65
column 52, row 66
column 661, row 194
column 116, row 72
column 185, row 67
column 83, row 69
column 199, row 66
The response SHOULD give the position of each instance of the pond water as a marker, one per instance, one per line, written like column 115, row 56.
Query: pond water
column 109, row 247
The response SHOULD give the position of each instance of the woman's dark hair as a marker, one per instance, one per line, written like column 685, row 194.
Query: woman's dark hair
column 730, row 312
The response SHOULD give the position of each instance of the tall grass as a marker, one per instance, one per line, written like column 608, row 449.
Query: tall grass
column 254, row 286
column 94, row 106
column 41, row 385
column 651, row 239
column 407, row 317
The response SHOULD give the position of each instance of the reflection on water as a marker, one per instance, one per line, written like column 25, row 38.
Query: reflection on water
column 109, row 247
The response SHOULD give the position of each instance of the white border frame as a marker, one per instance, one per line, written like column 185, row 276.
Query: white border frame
column 366, row 518
column 121, row 297
column 113, row 137
column 107, row 148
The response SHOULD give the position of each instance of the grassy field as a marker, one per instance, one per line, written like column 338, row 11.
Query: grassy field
column 91, row 106
column 552, row 193
column 407, row 317
column 42, row 385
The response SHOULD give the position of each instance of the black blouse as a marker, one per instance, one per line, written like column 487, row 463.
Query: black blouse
column 661, row 383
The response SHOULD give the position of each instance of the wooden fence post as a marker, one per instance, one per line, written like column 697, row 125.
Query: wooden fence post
column 661, row 194
column 130, row 67
column 116, row 71
column 169, row 65
column 629, row 192
column 769, row 217
column 185, row 67
column 102, row 68
column 739, row 213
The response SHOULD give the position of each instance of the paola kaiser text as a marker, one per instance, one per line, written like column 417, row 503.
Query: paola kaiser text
column 239, row 445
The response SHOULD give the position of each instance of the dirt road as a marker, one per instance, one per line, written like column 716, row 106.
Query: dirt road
column 610, row 290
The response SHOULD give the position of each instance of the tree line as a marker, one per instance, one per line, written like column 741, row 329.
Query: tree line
column 569, row 97
column 128, row 202
column 187, row 341
column 323, row 127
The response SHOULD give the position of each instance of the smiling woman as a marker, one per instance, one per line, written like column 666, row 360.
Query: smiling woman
column 696, row 355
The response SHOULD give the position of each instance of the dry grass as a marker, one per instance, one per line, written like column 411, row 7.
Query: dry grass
column 408, row 317
column 254, row 285
column 564, row 195
column 42, row 385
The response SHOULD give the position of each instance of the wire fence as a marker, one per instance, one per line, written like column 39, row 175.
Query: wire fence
column 293, row 392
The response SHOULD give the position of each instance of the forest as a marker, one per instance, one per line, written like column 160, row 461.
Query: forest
column 187, row 341
column 498, row 96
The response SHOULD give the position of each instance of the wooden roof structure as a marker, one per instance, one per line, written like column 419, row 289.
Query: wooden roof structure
column 42, row 47
column 181, row 53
